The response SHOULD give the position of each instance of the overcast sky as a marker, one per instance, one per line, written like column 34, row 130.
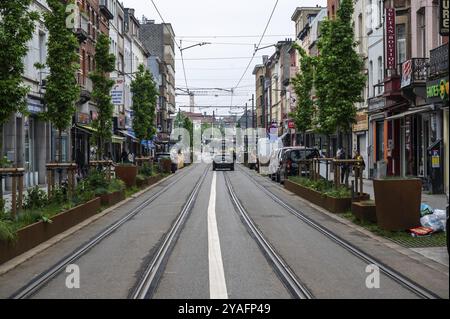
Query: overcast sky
column 219, row 22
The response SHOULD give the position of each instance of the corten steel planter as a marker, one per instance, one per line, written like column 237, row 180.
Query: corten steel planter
column 35, row 234
column 398, row 203
column 127, row 174
column 365, row 211
column 306, row 193
column 338, row 205
column 112, row 199
column 332, row 204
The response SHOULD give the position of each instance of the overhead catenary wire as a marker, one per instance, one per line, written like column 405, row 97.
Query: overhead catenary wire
column 174, row 40
column 259, row 44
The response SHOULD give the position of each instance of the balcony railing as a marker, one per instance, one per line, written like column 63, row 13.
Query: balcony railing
column 415, row 72
column 82, row 28
column 104, row 8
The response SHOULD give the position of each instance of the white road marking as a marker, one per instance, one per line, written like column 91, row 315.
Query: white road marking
column 217, row 284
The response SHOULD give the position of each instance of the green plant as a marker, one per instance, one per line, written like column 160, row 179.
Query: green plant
column 141, row 178
column 62, row 89
column 146, row 170
column 35, row 198
column 16, row 30
column 97, row 180
column 102, row 85
column 116, row 185
column 59, row 195
column 145, row 97
column 340, row 192
column 7, row 230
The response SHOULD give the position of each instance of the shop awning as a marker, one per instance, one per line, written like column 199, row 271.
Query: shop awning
column 85, row 128
column 117, row 139
column 415, row 110
column 129, row 134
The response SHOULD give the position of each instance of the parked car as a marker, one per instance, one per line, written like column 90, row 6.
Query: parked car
column 290, row 162
column 275, row 160
column 223, row 161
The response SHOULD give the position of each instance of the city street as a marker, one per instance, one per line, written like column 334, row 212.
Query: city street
column 214, row 252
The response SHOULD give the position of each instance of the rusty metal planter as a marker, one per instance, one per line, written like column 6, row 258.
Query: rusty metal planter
column 112, row 199
column 35, row 234
column 365, row 211
column 332, row 204
column 398, row 203
column 127, row 174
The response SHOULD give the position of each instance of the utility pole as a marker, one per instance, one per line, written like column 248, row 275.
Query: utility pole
column 253, row 111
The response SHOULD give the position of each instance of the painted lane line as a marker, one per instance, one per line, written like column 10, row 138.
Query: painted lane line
column 217, row 284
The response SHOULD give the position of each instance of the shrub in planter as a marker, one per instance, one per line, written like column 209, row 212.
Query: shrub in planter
column 141, row 180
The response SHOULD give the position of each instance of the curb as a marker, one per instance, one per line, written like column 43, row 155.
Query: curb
column 17, row 261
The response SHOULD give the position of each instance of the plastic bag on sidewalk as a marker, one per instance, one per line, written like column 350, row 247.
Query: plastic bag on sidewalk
column 426, row 210
column 441, row 214
column 433, row 222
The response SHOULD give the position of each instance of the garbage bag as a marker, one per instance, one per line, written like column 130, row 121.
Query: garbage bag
column 441, row 214
column 433, row 222
column 426, row 210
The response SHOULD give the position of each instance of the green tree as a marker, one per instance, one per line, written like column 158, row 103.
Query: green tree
column 145, row 97
column 101, row 93
column 62, row 90
column 303, row 84
column 16, row 29
column 339, row 78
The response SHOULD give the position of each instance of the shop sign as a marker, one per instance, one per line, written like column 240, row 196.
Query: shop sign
column 435, row 159
column 362, row 122
column 291, row 125
column 35, row 106
column 406, row 73
column 117, row 92
column 83, row 118
column 437, row 91
column 391, row 41
column 444, row 17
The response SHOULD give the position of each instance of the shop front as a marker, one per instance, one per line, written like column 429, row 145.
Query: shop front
column 360, row 137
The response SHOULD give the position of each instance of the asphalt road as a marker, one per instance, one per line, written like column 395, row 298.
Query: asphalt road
column 214, row 256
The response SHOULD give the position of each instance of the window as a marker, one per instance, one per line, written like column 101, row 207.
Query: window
column 371, row 78
column 380, row 74
column 360, row 32
column 401, row 43
column 380, row 13
column 370, row 15
column 42, row 48
column 421, row 33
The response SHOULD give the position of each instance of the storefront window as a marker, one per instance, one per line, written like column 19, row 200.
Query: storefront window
column 379, row 141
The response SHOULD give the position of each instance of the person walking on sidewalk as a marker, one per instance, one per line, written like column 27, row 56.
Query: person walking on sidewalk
column 345, row 169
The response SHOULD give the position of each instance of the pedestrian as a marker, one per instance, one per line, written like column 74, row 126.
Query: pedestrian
column 124, row 157
column 361, row 166
column 80, row 161
column 345, row 171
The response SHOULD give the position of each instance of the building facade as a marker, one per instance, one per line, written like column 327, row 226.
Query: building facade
column 159, row 40
column 27, row 139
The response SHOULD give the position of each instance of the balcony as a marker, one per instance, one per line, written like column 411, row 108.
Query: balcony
column 82, row 29
column 104, row 8
column 414, row 77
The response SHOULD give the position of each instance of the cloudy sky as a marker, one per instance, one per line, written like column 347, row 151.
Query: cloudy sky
column 233, row 27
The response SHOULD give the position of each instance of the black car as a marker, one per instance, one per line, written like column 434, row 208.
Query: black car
column 290, row 163
column 223, row 161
